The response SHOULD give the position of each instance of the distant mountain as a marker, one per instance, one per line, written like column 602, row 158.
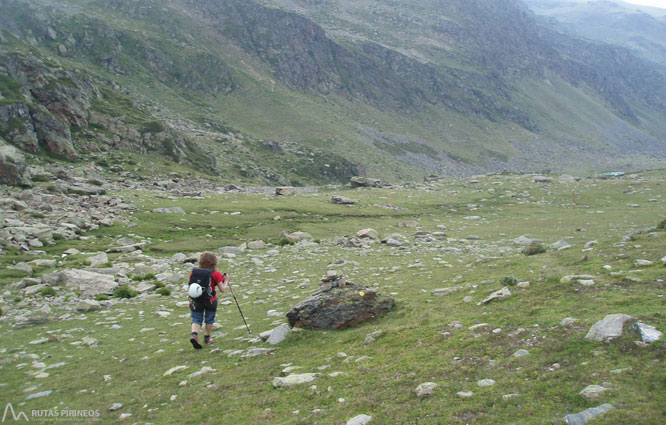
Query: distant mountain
column 640, row 28
column 317, row 91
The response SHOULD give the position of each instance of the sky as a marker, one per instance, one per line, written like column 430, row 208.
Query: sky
column 656, row 3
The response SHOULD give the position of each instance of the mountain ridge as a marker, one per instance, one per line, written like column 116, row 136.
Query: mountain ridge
column 203, row 73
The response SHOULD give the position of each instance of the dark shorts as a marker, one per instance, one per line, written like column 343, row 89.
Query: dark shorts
column 199, row 310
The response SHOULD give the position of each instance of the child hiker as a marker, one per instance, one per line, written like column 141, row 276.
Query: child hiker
column 203, row 298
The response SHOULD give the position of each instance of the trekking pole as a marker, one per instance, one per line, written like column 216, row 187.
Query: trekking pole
column 239, row 309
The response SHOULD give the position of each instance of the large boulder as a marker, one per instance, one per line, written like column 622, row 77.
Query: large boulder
column 342, row 200
column 13, row 167
column 336, row 307
column 366, row 182
column 88, row 283
column 610, row 327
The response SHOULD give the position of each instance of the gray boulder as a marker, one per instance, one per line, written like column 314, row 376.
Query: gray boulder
column 609, row 328
column 256, row 245
column 170, row 210
column 587, row 415
column 525, row 241
column 294, row 379
column 359, row 420
column 88, row 283
column 647, row 333
column 342, row 200
column 366, row 182
column 279, row 334
column 336, row 307
column 497, row 295
column 98, row 260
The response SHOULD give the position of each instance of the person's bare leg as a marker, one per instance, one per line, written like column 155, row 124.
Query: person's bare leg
column 196, row 327
column 209, row 328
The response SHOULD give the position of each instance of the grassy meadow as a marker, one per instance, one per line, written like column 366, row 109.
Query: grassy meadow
column 425, row 338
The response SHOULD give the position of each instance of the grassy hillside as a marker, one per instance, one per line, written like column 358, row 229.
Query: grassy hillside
column 448, row 340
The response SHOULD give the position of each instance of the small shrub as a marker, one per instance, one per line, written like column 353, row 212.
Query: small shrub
column 102, row 297
column 534, row 249
column 47, row 291
column 164, row 291
column 125, row 291
column 285, row 241
column 159, row 285
column 40, row 178
column 141, row 277
column 95, row 182
column 58, row 237
column 662, row 225
column 36, row 214
column 509, row 281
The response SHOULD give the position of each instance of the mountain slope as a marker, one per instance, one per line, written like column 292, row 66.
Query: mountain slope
column 385, row 88
column 642, row 29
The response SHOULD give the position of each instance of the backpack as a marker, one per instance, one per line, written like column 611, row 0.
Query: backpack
column 202, row 277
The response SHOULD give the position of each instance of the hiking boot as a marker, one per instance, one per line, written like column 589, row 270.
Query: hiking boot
column 209, row 341
column 195, row 342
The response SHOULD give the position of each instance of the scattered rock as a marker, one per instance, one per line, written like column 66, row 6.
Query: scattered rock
column 98, row 260
column 446, row 291
column 647, row 333
column 279, row 334
column 204, row 370
column 284, row 191
column 525, row 241
column 39, row 395
column 464, row 394
column 587, row 415
column 169, row 210
column 567, row 321
column 89, row 284
column 342, row 200
column 593, row 392
column 425, row 389
column 357, row 181
column 359, row 420
column 256, row 245
column 89, row 341
column 497, row 295
column 116, row 406
column 521, row 353
column 174, row 370
column 642, row 263
column 485, row 382
column 609, row 328
column 367, row 234
column 294, row 379
column 372, row 337
column 560, row 245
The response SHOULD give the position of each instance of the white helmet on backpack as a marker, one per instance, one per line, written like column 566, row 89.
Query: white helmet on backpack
column 195, row 290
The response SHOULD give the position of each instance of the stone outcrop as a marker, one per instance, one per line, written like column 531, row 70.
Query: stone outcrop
column 13, row 167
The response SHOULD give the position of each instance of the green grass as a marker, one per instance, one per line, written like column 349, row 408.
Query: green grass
column 417, row 344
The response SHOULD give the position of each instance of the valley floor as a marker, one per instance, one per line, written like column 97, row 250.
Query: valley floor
column 514, row 360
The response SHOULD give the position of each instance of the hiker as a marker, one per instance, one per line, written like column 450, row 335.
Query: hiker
column 203, row 298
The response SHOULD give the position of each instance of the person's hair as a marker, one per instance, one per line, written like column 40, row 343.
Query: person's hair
column 208, row 260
